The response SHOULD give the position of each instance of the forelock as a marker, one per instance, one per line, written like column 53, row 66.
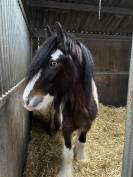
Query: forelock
column 42, row 55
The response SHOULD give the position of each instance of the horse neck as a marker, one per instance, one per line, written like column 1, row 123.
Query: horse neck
column 76, row 98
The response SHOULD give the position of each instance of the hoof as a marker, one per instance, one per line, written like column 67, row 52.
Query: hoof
column 80, row 157
column 79, row 152
column 65, row 172
column 64, row 175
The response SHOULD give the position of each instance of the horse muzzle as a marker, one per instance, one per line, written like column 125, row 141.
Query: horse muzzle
column 32, row 103
column 38, row 102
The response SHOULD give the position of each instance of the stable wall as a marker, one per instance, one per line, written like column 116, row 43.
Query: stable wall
column 112, row 59
column 14, row 134
column 15, row 55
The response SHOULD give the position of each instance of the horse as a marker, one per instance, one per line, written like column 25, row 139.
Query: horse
column 61, row 78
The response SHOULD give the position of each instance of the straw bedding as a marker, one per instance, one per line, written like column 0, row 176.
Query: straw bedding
column 104, row 148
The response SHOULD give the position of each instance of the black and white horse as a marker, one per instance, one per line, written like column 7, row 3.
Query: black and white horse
column 61, row 77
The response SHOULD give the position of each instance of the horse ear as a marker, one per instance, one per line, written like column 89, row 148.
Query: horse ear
column 77, row 41
column 59, row 30
column 49, row 31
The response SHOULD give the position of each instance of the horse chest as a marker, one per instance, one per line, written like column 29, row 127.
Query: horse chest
column 75, row 120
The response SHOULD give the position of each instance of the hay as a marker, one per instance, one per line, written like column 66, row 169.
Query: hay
column 104, row 148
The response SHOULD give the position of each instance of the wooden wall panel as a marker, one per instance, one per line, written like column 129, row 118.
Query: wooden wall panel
column 112, row 60
column 109, row 54
column 112, row 89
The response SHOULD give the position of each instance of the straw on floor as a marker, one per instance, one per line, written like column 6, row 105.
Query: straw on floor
column 104, row 148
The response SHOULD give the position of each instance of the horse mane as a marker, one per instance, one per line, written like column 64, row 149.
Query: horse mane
column 42, row 54
column 86, row 74
column 88, row 70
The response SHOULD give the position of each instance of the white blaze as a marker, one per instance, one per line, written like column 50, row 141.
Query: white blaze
column 44, row 102
column 56, row 54
column 30, row 86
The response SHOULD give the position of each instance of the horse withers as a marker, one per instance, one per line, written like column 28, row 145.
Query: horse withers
column 61, row 78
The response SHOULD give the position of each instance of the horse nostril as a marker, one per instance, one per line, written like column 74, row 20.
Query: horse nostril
column 27, row 101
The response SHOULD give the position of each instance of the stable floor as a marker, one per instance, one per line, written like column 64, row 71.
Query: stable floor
column 104, row 148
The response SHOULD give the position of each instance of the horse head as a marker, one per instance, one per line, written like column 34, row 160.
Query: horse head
column 57, row 67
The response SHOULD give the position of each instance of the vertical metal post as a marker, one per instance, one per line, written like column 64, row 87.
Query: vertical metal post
column 1, row 76
column 8, row 39
column 127, row 167
column 5, row 48
column 2, row 54
column 1, row 79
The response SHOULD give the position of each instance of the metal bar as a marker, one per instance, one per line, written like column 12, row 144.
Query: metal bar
column 5, row 46
column 24, row 14
column 7, row 58
column 127, row 167
column 2, row 51
column 99, row 35
column 1, row 61
column 1, row 83
column 79, row 7
column 17, row 86
column 10, row 51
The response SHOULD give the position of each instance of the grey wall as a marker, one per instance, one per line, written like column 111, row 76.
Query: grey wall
column 13, row 135
column 14, row 45
column 15, row 55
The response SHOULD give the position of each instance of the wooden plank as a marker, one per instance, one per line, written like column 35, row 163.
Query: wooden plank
column 116, row 55
column 111, row 73
column 127, row 167
column 98, row 35
column 112, row 89
column 79, row 7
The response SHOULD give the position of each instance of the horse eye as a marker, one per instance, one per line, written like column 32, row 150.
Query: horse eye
column 53, row 63
column 68, row 44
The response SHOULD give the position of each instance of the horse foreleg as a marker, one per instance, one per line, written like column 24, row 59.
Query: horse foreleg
column 79, row 150
column 58, row 120
column 67, row 166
